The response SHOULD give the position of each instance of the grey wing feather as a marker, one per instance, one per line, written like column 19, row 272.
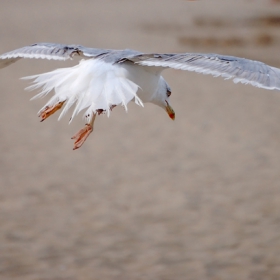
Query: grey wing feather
column 49, row 51
column 240, row 69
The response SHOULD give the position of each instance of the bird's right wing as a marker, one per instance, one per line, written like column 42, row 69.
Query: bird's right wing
column 239, row 69
column 49, row 51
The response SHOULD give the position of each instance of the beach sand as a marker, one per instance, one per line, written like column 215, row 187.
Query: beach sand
column 145, row 197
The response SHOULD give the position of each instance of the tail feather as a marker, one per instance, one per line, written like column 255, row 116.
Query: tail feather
column 92, row 85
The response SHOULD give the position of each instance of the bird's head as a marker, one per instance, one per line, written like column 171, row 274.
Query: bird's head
column 161, row 98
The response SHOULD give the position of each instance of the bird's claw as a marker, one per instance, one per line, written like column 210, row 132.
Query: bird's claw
column 81, row 136
column 48, row 111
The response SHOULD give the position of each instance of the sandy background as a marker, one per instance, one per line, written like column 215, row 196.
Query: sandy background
column 145, row 197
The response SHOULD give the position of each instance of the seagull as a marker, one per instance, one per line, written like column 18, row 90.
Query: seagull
column 106, row 78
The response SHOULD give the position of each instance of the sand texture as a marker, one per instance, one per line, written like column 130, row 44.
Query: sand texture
column 145, row 197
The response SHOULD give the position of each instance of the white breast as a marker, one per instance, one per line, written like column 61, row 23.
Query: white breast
column 143, row 77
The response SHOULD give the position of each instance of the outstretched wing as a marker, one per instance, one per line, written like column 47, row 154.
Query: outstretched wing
column 239, row 69
column 49, row 51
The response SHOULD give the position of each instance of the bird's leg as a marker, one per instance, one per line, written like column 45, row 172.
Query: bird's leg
column 48, row 111
column 83, row 134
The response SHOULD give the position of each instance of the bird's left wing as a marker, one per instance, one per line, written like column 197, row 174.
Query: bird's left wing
column 49, row 51
column 240, row 69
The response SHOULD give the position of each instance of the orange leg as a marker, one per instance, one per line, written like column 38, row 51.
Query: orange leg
column 83, row 134
column 48, row 111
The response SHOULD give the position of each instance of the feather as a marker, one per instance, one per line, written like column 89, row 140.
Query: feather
column 92, row 85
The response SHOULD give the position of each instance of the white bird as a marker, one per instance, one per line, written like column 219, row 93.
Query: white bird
column 106, row 78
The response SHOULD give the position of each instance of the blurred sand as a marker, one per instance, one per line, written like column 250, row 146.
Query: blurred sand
column 145, row 197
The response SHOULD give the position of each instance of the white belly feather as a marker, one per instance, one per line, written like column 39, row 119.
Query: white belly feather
column 94, row 84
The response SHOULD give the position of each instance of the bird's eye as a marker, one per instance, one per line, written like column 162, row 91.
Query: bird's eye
column 168, row 93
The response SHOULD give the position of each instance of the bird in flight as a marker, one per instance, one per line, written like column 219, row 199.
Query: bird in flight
column 106, row 78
